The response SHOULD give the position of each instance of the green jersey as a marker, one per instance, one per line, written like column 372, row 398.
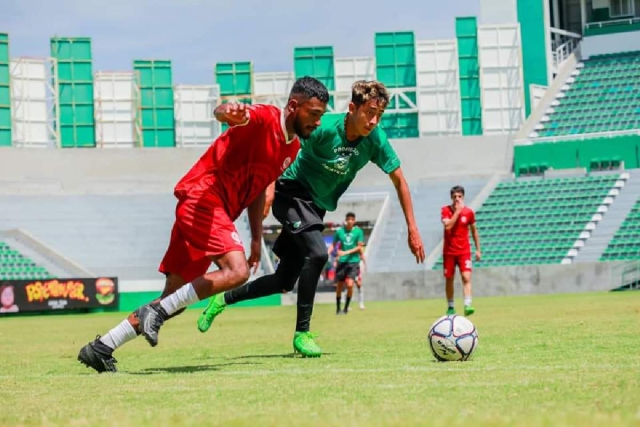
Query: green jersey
column 349, row 240
column 327, row 163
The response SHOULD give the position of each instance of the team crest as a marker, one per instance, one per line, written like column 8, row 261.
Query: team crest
column 463, row 219
column 342, row 163
column 286, row 163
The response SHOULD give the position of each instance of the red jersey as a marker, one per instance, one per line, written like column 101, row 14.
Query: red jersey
column 243, row 161
column 456, row 239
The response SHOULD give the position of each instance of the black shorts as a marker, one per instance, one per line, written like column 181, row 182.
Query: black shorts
column 347, row 270
column 293, row 207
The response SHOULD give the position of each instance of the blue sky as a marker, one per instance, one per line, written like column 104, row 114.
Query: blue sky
column 195, row 34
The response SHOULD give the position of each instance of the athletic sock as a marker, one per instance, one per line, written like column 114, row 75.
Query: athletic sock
column 119, row 335
column 346, row 306
column 451, row 303
column 183, row 297
column 361, row 296
column 467, row 301
column 338, row 303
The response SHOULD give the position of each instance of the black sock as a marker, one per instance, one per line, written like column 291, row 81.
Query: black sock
column 338, row 303
column 261, row 287
column 346, row 306
column 308, row 283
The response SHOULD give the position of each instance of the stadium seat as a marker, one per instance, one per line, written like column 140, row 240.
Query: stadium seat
column 16, row 266
column 537, row 221
column 603, row 95
column 625, row 244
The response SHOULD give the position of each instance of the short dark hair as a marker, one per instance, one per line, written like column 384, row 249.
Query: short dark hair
column 309, row 87
column 350, row 215
column 364, row 91
column 457, row 189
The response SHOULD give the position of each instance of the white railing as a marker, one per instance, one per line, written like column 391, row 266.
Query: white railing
column 563, row 44
column 577, row 137
column 378, row 226
column 613, row 23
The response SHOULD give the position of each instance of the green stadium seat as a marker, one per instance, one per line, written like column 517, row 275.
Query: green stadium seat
column 14, row 265
column 625, row 244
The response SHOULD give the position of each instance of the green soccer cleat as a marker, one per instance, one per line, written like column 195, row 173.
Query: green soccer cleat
column 215, row 307
column 469, row 310
column 303, row 343
column 451, row 311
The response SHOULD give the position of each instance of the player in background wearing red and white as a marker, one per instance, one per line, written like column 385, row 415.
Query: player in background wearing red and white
column 231, row 175
column 458, row 220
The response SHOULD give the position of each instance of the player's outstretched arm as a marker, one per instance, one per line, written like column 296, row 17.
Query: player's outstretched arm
column 232, row 113
column 404, row 196
column 255, row 212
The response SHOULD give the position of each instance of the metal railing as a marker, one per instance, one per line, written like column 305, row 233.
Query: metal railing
column 577, row 137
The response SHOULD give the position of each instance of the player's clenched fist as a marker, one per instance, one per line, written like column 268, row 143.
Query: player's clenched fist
column 232, row 113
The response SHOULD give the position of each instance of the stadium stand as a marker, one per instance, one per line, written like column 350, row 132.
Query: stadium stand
column 602, row 95
column 625, row 244
column 15, row 265
column 539, row 221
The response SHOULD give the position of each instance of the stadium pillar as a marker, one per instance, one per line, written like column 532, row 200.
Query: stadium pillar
column 583, row 14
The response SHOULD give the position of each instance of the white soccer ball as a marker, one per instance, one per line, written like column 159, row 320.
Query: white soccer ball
column 453, row 338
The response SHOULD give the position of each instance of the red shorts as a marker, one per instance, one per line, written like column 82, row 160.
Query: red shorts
column 463, row 262
column 202, row 229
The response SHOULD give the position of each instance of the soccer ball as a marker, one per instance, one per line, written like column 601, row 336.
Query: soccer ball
column 453, row 338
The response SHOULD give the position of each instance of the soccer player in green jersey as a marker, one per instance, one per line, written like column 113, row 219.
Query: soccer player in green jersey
column 326, row 165
column 350, row 239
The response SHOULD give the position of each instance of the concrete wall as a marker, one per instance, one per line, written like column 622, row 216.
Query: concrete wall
column 147, row 171
column 503, row 281
column 610, row 43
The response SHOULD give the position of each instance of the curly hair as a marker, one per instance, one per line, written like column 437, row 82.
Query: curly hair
column 364, row 91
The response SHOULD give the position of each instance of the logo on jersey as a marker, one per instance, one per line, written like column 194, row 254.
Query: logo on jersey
column 342, row 162
column 286, row 163
column 348, row 238
column 236, row 238
column 463, row 219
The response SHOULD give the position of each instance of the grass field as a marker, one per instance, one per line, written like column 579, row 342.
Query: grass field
column 544, row 360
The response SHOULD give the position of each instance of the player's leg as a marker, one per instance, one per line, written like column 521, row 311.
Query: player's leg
column 340, row 280
column 360, row 291
column 349, row 283
column 232, row 272
column 311, row 242
column 99, row 353
column 465, row 272
column 339, row 287
column 448, row 266
column 282, row 281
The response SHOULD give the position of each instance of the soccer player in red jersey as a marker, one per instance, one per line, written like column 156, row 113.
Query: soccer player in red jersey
column 231, row 175
column 458, row 220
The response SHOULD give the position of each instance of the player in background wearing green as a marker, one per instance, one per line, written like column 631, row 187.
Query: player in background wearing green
column 350, row 239
column 326, row 165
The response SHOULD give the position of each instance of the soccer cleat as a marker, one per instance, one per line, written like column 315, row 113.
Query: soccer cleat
column 361, row 306
column 98, row 356
column 451, row 311
column 303, row 343
column 469, row 310
column 151, row 317
column 215, row 307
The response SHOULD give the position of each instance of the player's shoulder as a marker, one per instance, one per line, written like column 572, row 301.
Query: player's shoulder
column 469, row 211
column 266, row 111
column 445, row 208
column 378, row 136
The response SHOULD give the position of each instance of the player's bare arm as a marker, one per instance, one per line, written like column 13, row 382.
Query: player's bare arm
column 476, row 240
column 350, row 251
column 255, row 212
column 232, row 113
column 450, row 222
column 404, row 196
column 269, row 196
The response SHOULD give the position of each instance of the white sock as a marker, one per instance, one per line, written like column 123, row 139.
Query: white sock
column 467, row 301
column 361, row 296
column 119, row 335
column 451, row 303
column 181, row 298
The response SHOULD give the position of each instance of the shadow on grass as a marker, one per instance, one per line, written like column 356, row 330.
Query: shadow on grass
column 187, row 369
column 273, row 356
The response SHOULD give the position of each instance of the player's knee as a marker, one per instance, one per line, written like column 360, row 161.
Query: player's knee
column 318, row 258
column 287, row 280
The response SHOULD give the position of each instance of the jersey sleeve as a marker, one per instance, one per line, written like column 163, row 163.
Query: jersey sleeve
column 445, row 213
column 473, row 217
column 360, row 236
column 385, row 156
column 258, row 114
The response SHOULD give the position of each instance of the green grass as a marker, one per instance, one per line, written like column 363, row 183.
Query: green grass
column 544, row 360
